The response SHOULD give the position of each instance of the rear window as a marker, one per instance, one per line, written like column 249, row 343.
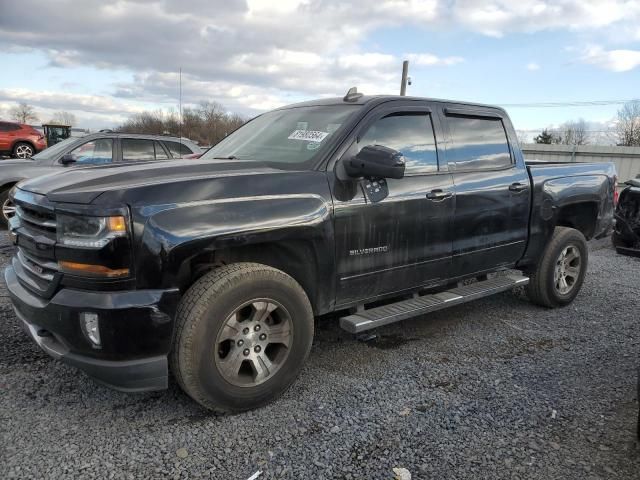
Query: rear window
column 478, row 143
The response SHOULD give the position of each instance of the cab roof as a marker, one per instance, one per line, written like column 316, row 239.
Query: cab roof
column 373, row 100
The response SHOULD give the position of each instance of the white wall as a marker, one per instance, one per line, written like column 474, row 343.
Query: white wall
column 626, row 159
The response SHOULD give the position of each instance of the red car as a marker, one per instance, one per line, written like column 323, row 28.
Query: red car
column 20, row 141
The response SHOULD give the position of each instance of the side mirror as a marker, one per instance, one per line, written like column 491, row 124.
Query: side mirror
column 67, row 159
column 376, row 161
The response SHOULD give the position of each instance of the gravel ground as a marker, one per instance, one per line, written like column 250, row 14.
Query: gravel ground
column 493, row 389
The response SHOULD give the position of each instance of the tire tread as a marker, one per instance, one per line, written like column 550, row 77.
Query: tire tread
column 537, row 289
column 191, row 310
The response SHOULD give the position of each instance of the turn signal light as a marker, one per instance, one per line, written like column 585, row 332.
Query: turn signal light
column 117, row 224
column 92, row 270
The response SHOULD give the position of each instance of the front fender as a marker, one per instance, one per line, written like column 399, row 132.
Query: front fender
column 175, row 234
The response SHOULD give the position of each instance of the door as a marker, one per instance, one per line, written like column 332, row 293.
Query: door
column 492, row 192
column 405, row 240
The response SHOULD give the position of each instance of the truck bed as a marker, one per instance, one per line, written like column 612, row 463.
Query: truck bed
column 540, row 169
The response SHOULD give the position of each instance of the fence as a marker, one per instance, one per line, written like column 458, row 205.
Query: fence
column 626, row 159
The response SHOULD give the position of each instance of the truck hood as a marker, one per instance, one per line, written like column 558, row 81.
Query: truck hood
column 84, row 185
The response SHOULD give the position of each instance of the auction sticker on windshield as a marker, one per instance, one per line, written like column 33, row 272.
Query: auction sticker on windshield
column 308, row 135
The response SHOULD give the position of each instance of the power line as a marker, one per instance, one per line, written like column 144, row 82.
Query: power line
column 589, row 103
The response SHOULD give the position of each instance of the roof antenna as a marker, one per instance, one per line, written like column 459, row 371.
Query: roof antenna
column 352, row 95
column 180, row 105
column 405, row 78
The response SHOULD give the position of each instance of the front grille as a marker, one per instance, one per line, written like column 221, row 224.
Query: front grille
column 35, row 219
column 40, row 268
column 37, row 274
column 35, row 227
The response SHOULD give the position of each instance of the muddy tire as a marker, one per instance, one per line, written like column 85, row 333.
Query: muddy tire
column 560, row 272
column 243, row 333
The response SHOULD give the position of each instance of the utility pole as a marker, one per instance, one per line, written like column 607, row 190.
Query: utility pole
column 405, row 72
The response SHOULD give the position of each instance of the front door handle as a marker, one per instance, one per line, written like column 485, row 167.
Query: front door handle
column 439, row 194
column 518, row 187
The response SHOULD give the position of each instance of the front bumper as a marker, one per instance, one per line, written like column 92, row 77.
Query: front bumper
column 136, row 329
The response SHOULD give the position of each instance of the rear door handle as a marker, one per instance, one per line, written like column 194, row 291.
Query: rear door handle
column 518, row 187
column 439, row 194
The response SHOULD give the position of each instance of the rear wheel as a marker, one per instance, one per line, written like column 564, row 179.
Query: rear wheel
column 243, row 334
column 560, row 272
column 23, row 150
column 8, row 209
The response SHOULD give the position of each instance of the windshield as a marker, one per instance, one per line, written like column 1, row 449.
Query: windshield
column 286, row 138
column 51, row 152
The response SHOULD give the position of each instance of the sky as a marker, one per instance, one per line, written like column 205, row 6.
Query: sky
column 105, row 60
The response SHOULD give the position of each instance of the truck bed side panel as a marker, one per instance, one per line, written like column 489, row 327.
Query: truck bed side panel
column 557, row 185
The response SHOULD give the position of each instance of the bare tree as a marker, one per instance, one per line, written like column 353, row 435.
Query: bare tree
column 523, row 137
column 23, row 113
column 628, row 125
column 207, row 124
column 573, row 132
column 64, row 118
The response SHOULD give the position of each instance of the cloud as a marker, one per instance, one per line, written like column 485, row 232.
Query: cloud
column 428, row 59
column 250, row 55
column 533, row 66
column 88, row 103
column 614, row 60
column 92, row 111
column 256, row 54
column 498, row 17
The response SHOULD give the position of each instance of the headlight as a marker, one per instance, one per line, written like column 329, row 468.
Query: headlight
column 90, row 232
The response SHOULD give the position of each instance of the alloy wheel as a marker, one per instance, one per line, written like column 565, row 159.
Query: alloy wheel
column 8, row 210
column 24, row 151
column 253, row 343
column 567, row 269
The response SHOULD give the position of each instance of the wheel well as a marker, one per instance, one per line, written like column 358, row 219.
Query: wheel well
column 7, row 186
column 28, row 142
column 581, row 216
column 295, row 258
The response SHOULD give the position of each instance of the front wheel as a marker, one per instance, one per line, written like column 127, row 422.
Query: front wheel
column 559, row 274
column 243, row 332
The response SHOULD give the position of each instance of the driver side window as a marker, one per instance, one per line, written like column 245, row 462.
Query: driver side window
column 95, row 152
column 409, row 133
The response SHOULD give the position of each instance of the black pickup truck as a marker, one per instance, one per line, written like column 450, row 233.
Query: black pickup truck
column 378, row 208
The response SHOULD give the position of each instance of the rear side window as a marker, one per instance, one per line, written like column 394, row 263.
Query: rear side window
column 410, row 134
column 137, row 149
column 9, row 127
column 177, row 150
column 478, row 143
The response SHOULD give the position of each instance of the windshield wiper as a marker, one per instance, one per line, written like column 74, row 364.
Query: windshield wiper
column 230, row 157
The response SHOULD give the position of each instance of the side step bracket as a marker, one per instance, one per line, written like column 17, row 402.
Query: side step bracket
column 364, row 320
